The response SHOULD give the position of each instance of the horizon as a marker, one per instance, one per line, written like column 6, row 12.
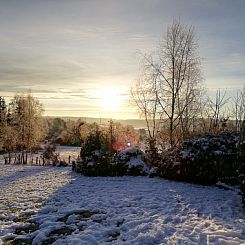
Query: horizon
column 82, row 64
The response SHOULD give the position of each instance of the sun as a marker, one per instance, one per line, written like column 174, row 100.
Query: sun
column 109, row 99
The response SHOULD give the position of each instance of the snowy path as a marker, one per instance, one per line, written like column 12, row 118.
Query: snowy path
column 45, row 205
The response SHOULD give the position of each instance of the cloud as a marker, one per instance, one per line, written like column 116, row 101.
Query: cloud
column 65, row 50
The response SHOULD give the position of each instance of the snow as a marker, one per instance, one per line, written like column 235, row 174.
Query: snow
column 131, row 150
column 133, row 157
column 66, row 151
column 229, row 187
column 63, row 151
column 138, row 162
column 67, row 208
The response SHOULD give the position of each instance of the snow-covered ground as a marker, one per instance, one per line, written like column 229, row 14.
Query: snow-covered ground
column 45, row 205
column 66, row 151
column 63, row 151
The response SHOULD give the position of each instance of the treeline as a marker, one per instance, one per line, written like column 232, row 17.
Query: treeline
column 75, row 132
column 24, row 129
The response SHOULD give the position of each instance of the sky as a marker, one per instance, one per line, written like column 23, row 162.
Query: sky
column 80, row 57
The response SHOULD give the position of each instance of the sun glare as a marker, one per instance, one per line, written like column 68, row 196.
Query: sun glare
column 109, row 99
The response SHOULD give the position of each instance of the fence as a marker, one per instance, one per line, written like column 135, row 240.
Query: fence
column 226, row 168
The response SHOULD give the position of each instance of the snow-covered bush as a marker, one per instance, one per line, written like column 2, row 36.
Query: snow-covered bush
column 132, row 161
column 198, row 160
column 98, row 160
column 201, row 148
column 169, row 166
column 94, row 155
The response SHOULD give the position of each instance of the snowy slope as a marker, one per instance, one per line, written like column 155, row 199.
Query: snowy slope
column 54, row 205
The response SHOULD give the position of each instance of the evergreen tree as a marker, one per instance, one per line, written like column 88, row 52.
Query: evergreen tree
column 3, row 111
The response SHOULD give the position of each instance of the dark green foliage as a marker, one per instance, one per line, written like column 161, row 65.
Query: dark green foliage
column 97, row 159
column 132, row 161
column 242, row 180
column 3, row 121
column 202, row 160
column 242, row 169
column 95, row 156
column 96, row 141
column 3, row 111
column 99, row 168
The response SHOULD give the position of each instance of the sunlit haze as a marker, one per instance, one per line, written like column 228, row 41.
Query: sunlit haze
column 79, row 58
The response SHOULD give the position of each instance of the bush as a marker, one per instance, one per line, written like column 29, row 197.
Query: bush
column 96, row 159
column 49, row 154
column 128, row 162
column 197, row 160
column 96, row 165
column 242, row 169
column 94, row 156
column 132, row 161
column 242, row 181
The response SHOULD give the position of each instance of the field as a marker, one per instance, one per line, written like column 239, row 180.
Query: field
column 53, row 205
column 63, row 151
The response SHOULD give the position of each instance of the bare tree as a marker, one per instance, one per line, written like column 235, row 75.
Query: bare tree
column 26, row 114
column 170, row 83
column 239, row 112
column 144, row 94
column 217, row 112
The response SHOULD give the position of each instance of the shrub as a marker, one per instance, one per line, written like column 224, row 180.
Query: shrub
column 49, row 154
column 98, row 160
column 127, row 162
column 242, row 169
column 197, row 160
column 94, row 155
column 242, row 181
column 132, row 161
